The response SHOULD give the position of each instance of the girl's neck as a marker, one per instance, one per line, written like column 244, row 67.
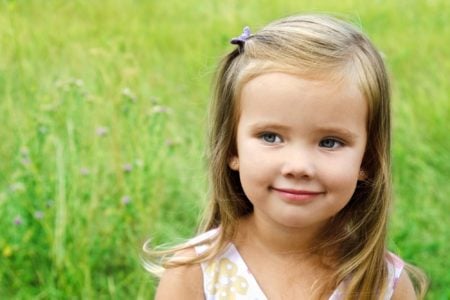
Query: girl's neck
column 287, row 252
column 278, row 240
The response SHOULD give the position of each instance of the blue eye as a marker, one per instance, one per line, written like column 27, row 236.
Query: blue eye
column 270, row 138
column 330, row 143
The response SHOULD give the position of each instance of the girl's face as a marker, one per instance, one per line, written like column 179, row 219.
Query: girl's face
column 300, row 145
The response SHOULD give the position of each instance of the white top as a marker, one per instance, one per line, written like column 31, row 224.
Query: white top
column 228, row 277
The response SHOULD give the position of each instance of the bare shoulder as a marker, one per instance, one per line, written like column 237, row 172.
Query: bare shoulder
column 404, row 289
column 184, row 282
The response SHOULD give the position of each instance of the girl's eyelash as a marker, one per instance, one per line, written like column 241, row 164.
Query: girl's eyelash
column 333, row 140
column 269, row 137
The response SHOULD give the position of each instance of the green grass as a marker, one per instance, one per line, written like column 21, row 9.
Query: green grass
column 102, row 102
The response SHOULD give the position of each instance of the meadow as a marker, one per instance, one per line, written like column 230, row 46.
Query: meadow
column 103, row 127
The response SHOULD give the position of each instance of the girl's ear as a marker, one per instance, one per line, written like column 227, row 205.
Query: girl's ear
column 362, row 175
column 234, row 163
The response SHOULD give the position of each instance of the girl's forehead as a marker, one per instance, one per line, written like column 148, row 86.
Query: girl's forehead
column 319, row 83
column 285, row 84
column 338, row 73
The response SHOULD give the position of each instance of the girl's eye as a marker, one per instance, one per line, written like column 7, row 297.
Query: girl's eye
column 330, row 143
column 270, row 138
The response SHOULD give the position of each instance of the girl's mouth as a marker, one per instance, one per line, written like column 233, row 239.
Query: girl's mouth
column 297, row 195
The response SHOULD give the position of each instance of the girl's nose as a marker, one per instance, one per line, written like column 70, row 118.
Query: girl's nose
column 298, row 165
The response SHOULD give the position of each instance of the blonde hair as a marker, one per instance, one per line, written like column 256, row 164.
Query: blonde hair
column 314, row 46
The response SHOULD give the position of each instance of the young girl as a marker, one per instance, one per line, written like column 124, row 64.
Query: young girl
column 300, row 173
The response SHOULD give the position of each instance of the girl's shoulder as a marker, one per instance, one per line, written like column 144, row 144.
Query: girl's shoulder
column 399, row 283
column 185, row 281
column 182, row 282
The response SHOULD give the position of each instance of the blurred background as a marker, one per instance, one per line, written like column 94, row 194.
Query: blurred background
column 103, row 124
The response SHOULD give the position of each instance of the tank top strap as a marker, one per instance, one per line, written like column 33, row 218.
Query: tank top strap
column 395, row 267
column 228, row 277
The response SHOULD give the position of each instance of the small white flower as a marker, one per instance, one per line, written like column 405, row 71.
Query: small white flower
column 159, row 109
column 101, row 131
column 38, row 214
column 17, row 187
column 78, row 82
column 139, row 162
column 84, row 171
column 129, row 94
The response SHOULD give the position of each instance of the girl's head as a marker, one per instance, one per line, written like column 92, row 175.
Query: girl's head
column 311, row 47
column 314, row 47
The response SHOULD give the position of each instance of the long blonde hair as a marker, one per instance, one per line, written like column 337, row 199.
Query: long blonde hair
column 310, row 46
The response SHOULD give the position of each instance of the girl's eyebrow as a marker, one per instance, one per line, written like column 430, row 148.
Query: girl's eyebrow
column 267, row 125
column 340, row 131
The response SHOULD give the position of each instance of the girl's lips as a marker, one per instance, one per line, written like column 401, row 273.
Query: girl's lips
column 297, row 195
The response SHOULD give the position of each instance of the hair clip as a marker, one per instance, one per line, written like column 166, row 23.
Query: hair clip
column 240, row 40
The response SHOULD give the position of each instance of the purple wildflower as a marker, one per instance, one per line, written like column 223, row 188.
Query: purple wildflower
column 169, row 142
column 26, row 161
column 84, row 171
column 127, row 168
column 126, row 200
column 38, row 214
column 18, row 221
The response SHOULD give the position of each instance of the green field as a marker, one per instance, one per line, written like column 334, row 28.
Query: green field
column 103, row 125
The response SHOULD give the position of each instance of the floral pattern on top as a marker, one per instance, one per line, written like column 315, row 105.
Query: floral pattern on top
column 224, row 282
column 227, row 276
